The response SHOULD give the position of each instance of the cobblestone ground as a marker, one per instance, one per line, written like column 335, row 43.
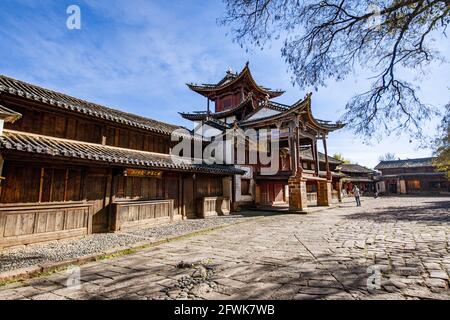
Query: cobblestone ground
column 401, row 244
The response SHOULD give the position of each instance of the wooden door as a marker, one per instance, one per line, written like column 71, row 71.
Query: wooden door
column 172, row 192
column 265, row 194
column 393, row 187
column 97, row 194
column 188, row 197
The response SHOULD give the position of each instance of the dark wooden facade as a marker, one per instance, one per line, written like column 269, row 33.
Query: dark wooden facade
column 71, row 167
column 412, row 176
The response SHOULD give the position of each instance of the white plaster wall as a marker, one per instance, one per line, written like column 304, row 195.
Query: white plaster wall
column 206, row 131
column 237, row 178
column 228, row 152
column 230, row 119
column 264, row 112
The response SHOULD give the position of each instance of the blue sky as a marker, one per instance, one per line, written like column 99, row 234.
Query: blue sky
column 137, row 56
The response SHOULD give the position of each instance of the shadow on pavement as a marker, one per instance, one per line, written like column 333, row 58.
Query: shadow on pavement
column 433, row 213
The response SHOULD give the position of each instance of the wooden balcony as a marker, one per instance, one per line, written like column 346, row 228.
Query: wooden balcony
column 135, row 214
column 22, row 224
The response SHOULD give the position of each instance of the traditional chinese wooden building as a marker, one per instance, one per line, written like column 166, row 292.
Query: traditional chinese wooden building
column 355, row 174
column 306, row 176
column 411, row 176
column 70, row 167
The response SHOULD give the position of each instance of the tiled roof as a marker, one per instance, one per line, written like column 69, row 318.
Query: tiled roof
column 357, row 179
column 202, row 115
column 218, row 124
column 306, row 154
column 354, row 168
column 414, row 174
column 287, row 111
column 56, row 147
column 231, row 78
column 63, row 101
column 269, row 105
column 407, row 163
column 9, row 115
column 333, row 174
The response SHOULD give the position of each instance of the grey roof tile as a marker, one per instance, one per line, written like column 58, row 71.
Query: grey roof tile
column 407, row 163
column 56, row 147
column 29, row 91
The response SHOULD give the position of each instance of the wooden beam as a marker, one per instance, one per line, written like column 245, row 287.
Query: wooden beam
column 293, row 156
column 324, row 139
column 41, row 184
column 299, row 155
column 66, row 180
column 315, row 154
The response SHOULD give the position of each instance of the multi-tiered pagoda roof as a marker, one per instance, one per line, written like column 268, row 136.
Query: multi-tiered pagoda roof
column 231, row 79
column 251, row 105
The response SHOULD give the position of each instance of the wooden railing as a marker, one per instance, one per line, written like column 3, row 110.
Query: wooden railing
column 22, row 224
column 213, row 206
column 134, row 214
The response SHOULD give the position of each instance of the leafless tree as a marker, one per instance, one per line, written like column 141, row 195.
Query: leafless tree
column 441, row 144
column 326, row 40
column 388, row 157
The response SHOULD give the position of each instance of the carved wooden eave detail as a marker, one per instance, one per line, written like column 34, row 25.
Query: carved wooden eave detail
column 298, row 115
column 200, row 116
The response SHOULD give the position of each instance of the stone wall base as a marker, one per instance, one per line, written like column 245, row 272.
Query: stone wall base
column 324, row 196
column 298, row 201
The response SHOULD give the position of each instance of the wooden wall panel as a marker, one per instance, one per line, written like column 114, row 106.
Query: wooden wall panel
column 136, row 188
column 32, row 184
column 172, row 191
column 73, row 185
column 25, row 224
column 209, row 186
column 71, row 131
column 213, row 206
column 127, row 215
column 63, row 125
column 21, row 184
column 96, row 194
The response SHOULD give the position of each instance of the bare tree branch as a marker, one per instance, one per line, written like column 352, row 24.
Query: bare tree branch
column 326, row 40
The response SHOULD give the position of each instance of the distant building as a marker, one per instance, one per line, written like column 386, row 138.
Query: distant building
column 411, row 176
column 354, row 174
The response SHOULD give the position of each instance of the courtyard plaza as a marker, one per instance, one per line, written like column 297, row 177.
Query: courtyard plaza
column 390, row 248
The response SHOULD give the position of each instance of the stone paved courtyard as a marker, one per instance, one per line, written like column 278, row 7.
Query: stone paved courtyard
column 324, row 255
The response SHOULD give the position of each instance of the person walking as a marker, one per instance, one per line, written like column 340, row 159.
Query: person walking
column 357, row 194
